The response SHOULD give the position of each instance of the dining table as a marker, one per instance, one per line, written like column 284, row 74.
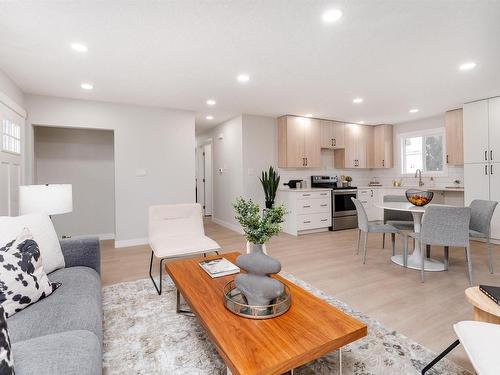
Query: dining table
column 415, row 259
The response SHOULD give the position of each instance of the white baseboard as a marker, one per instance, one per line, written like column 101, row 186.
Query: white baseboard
column 231, row 226
column 131, row 242
column 101, row 236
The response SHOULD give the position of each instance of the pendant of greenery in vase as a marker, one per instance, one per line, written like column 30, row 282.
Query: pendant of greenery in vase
column 270, row 181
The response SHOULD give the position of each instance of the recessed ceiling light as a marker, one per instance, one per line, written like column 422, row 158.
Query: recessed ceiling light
column 332, row 15
column 414, row 110
column 308, row 115
column 209, row 117
column 467, row 66
column 79, row 47
column 361, row 122
column 211, row 102
column 87, row 86
column 243, row 78
column 357, row 100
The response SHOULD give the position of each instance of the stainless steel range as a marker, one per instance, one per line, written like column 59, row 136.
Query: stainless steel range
column 344, row 214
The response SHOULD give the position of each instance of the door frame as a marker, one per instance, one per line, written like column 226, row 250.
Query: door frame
column 201, row 180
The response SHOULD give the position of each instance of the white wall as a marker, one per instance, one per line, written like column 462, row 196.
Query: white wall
column 9, row 89
column 85, row 159
column 259, row 153
column 160, row 142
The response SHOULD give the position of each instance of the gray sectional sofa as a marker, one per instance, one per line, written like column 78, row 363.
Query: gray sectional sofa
column 62, row 334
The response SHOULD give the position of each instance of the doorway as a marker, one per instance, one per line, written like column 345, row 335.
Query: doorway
column 204, row 195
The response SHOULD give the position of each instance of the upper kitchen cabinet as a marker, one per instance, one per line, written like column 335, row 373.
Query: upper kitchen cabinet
column 332, row 134
column 358, row 151
column 453, row 122
column 475, row 125
column 299, row 142
column 383, row 146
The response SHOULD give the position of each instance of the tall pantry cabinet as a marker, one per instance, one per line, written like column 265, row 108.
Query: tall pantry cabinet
column 481, row 122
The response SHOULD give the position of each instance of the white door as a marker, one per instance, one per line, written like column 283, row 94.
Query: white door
column 207, row 163
column 494, row 129
column 476, row 132
column 495, row 196
column 476, row 182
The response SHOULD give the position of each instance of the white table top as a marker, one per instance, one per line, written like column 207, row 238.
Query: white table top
column 401, row 206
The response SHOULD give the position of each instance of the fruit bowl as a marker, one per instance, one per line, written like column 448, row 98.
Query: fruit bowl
column 419, row 197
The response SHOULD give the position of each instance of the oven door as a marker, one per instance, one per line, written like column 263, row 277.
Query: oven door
column 342, row 203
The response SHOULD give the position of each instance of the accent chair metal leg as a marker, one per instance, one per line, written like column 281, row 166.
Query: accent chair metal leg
column 469, row 264
column 340, row 361
column 428, row 251
column 393, row 242
column 364, row 247
column 440, row 356
column 422, row 265
column 359, row 240
column 158, row 289
column 178, row 309
column 446, row 257
column 383, row 240
column 490, row 255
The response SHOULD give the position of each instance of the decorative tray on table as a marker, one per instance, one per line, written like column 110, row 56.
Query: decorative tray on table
column 236, row 302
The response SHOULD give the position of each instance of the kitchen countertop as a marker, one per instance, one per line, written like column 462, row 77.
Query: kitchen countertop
column 303, row 190
column 451, row 189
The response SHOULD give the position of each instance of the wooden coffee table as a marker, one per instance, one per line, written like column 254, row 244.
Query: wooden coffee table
column 484, row 309
column 309, row 330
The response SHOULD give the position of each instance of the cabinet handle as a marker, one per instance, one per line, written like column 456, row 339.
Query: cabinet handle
column 323, row 205
column 306, row 162
column 383, row 162
column 486, row 155
column 323, row 194
column 306, row 195
column 306, row 206
column 307, row 221
column 334, row 142
column 447, row 159
column 486, row 170
column 491, row 154
column 372, row 194
column 491, row 168
column 324, row 219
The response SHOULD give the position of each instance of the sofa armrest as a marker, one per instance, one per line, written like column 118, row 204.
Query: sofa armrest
column 83, row 251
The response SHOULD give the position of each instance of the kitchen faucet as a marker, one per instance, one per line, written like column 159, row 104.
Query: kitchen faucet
column 418, row 173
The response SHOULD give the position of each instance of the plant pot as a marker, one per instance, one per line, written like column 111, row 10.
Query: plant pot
column 256, row 248
column 269, row 204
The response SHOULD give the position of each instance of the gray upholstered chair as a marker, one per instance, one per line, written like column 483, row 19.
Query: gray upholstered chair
column 365, row 227
column 399, row 219
column 480, row 223
column 446, row 226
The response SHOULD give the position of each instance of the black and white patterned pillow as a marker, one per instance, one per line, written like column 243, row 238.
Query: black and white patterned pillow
column 22, row 278
column 6, row 361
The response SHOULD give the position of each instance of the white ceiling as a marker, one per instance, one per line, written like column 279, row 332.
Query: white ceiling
column 396, row 55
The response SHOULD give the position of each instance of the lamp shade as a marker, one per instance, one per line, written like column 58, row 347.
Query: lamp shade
column 53, row 199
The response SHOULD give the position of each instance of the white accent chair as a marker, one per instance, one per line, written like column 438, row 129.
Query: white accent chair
column 176, row 230
column 480, row 341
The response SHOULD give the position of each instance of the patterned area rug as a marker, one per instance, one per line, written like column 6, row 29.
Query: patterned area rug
column 144, row 335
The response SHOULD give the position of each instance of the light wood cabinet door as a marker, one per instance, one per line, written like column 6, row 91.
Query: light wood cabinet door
column 295, row 147
column 494, row 130
column 453, row 123
column 351, row 146
column 475, row 123
column 312, row 143
column 364, row 147
column 338, row 134
column 383, row 146
column 326, row 134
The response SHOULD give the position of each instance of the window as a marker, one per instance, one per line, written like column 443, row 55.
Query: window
column 11, row 137
column 422, row 151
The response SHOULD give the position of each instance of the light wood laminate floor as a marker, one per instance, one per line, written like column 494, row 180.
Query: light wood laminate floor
column 385, row 291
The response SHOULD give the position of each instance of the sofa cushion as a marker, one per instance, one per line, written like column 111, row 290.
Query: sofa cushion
column 23, row 280
column 68, row 353
column 75, row 305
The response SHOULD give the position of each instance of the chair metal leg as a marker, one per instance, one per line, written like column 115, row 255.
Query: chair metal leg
column 405, row 251
column 428, row 251
column 364, row 247
column 422, row 266
column 469, row 264
column 440, row 356
column 446, row 257
column 178, row 309
column 158, row 289
column 359, row 240
column 393, row 242
column 383, row 240
column 490, row 255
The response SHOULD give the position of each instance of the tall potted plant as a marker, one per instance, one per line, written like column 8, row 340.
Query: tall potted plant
column 270, row 181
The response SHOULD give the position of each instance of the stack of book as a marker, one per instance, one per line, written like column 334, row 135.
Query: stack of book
column 491, row 291
column 219, row 267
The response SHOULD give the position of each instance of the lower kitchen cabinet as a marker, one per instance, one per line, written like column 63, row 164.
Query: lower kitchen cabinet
column 308, row 210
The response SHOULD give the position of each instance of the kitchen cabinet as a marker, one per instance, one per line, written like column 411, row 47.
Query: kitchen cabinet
column 299, row 142
column 454, row 129
column 332, row 134
column 369, row 198
column 308, row 210
column 481, row 122
column 358, row 151
column 383, row 147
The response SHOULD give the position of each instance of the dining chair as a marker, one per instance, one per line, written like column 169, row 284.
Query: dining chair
column 177, row 230
column 446, row 226
column 480, row 341
column 480, row 223
column 402, row 220
column 365, row 227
